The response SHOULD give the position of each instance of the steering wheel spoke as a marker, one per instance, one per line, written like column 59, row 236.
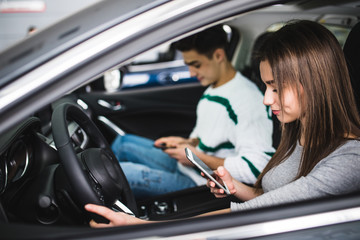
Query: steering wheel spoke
column 119, row 206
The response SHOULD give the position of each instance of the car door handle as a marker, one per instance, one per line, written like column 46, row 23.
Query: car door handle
column 114, row 105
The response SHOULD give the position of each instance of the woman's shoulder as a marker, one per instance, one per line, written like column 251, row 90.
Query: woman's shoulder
column 344, row 158
column 353, row 142
column 351, row 146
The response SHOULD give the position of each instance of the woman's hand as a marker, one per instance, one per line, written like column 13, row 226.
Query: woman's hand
column 236, row 188
column 222, row 176
column 115, row 218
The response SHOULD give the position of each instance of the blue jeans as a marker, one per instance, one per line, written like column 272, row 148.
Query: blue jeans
column 148, row 170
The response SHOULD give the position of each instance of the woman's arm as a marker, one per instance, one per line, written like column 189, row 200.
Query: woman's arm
column 334, row 175
column 123, row 219
column 115, row 218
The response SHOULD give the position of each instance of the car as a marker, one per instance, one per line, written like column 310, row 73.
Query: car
column 56, row 107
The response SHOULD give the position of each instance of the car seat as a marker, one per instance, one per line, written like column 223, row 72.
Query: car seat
column 352, row 56
column 233, row 39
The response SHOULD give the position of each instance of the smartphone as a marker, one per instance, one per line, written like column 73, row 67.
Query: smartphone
column 163, row 146
column 205, row 169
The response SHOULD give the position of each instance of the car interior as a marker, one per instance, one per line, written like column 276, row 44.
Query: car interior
column 34, row 172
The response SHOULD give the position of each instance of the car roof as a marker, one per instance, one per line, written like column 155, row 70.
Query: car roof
column 71, row 31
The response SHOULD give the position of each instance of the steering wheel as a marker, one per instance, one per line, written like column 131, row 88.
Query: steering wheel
column 94, row 174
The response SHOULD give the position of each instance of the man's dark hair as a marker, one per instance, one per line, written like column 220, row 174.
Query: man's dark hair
column 205, row 42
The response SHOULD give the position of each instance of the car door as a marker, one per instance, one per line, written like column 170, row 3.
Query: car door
column 153, row 96
column 149, row 112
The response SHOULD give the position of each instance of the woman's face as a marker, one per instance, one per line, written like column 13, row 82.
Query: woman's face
column 290, row 110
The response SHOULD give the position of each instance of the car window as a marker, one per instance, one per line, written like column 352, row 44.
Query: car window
column 159, row 66
column 162, row 53
column 162, row 65
column 340, row 31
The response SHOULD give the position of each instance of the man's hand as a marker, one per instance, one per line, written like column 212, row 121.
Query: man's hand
column 169, row 142
column 179, row 154
column 174, row 141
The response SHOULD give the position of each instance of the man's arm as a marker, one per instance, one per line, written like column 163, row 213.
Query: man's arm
column 179, row 154
column 212, row 161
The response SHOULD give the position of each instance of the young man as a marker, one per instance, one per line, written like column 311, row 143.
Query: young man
column 233, row 128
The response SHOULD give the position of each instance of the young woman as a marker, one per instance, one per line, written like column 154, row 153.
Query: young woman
column 309, row 90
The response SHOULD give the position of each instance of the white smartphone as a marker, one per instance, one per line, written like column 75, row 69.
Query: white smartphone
column 204, row 168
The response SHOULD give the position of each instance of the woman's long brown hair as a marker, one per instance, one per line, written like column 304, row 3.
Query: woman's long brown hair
column 305, row 54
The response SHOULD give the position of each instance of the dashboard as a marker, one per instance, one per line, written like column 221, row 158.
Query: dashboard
column 17, row 156
column 32, row 181
column 17, row 152
column 15, row 162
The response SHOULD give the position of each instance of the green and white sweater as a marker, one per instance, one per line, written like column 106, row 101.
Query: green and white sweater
column 233, row 123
